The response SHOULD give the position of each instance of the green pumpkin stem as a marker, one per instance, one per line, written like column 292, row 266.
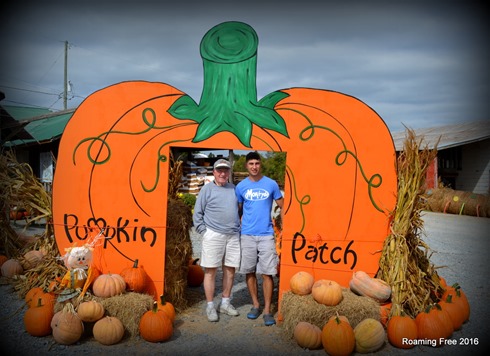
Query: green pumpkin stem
column 229, row 96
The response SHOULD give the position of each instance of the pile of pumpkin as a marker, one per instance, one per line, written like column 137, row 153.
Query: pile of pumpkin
column 338, row 337
column 68, row 324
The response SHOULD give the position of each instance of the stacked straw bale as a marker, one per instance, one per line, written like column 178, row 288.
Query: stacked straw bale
column 296, row 308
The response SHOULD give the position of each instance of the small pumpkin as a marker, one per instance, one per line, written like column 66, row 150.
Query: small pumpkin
column 370, row 336
column 455, row 310
column 301, row 283
column 135, row 277
column 155, row 325
column 167, row 308
column 109, row 330
column 195, row 274
column 400, row 328
column 36, row 293
column 32, row 259
column 29, row 297
column 3, row 258
column 90, row 311
column 338, row 337
column 362, row 284
column 327, row 292
column 37, row 320
column 12, row 267
column 108, row 285
column 384, row 313
column 67, row 326
column 458, row 297
column 431, row 326
column 307, row 335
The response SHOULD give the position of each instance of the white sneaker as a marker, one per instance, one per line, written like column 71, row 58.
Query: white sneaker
column 228, row 309
column 211, row 313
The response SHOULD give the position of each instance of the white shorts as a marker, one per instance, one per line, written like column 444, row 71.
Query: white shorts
column 259, row 255
column 220, row 249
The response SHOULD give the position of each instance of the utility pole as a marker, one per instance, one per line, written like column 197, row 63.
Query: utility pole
column 65, row 84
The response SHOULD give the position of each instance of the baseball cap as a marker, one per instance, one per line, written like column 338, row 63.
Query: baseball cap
column 222, row 163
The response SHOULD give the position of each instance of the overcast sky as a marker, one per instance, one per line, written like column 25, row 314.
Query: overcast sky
column 416, row 63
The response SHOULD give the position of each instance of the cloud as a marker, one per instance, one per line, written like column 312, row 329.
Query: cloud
column 413, row 62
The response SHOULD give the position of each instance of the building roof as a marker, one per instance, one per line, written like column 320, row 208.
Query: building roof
column 40, row 125
column 448, row 135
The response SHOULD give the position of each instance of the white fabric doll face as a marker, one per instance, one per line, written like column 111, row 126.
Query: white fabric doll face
column 79, row 257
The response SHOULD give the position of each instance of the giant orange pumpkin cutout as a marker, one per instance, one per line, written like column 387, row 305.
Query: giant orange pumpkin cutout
column 112, row 170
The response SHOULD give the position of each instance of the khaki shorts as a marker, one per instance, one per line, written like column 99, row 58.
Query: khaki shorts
column 220, row 249
column 259, row 255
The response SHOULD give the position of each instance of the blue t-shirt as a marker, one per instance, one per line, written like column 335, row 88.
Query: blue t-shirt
column 257, row 199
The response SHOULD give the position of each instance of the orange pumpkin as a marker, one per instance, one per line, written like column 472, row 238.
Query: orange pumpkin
column 28, row 298
column 301, row 283
column 108, row 330
column 384, row 313
column 458, row 297
column 90, row 311
column 167, row 308
column 135, row 277
column 455, row 310
column 432, row 326
column 400, row 328
column 307, row 335
column 362, row 284
column 67, row 326
column 108, row 285
column 338, row 337
column 37, row 320
column 36, row 293
column 195, row 274
column 327, row 292
column 155, row 325
column 3, row 258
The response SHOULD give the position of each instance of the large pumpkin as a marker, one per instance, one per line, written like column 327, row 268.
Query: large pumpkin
column 338, row 337
column 370, row 336
column 109, row 330
column 135, row 277
column 90, row 311
column 301, row 283
column 307, row 335
column 327, row 292
column 67, row 326
column 155, row 325
column 402, row 331
column 375, row 288
column 431, row 326
column 37, row 320
column 108, row 285
column 121, row 150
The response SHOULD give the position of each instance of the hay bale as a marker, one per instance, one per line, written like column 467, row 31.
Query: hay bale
column 178, row 251
column 296, row 308
column 128, row 308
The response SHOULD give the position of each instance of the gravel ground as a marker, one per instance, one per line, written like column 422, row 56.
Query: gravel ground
column 459, row 243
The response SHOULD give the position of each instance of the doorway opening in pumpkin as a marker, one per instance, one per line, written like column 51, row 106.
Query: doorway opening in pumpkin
column 191, row 168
